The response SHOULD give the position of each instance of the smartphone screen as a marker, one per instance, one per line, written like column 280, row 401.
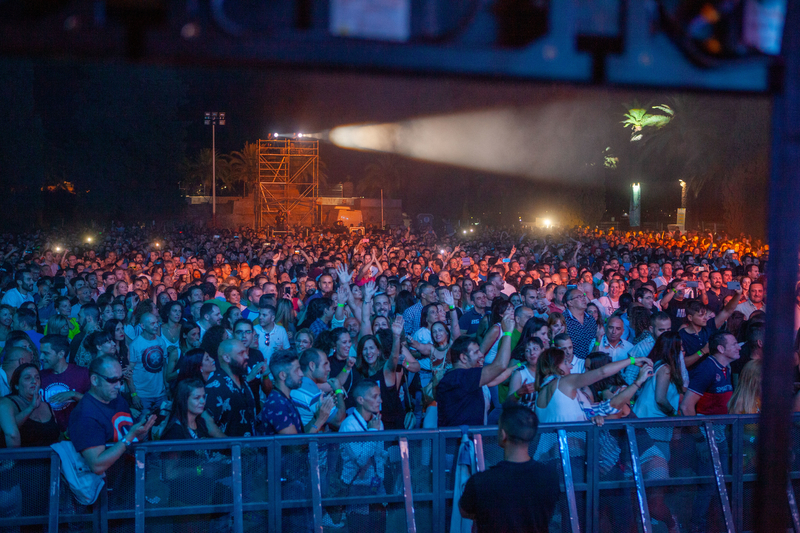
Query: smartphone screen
column 734, row 285
column 691, row 284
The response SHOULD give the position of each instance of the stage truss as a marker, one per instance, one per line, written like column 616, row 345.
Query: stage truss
column 288, row 182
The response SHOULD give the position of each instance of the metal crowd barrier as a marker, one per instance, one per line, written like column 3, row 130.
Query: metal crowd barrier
column 608, row 477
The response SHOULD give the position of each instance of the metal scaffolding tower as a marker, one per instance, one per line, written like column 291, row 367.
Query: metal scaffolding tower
column 288, row 182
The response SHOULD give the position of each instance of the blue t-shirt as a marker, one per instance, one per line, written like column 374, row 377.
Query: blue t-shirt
column 469, row 322
column 279, row 413
column 692, row 342
column 460, row 399
column 712, row 381
column 94, row 423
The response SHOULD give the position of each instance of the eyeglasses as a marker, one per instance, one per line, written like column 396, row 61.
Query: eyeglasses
column 243, row 332
column 108, row 379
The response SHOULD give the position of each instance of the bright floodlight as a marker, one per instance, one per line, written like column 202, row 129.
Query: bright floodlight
column 465, row 231
column 275, row 134
column 299, row 135
column 88, row 239
column 471, row 230
column 548, row 223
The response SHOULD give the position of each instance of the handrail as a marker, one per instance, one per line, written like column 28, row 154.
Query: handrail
column 426, row 452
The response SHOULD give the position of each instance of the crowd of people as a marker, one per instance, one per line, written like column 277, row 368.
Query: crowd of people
column 194, row 334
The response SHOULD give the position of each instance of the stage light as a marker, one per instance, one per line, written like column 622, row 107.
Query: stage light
column 548, row 223
column 465, row 232
column 88, row 239
column 275, row 135
column 158, row 244
column 58, row 248
column 299, row 135
column 471, row 230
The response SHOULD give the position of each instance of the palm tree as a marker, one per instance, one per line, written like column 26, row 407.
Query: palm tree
column 198, row 172
column 385, row 172
column 244, row 166
column 638, row 119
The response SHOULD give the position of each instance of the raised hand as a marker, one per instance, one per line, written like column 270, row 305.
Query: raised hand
column 397, row 326
column 447, row 298
column 342, row 293
column 369, row 290
column 344, row 274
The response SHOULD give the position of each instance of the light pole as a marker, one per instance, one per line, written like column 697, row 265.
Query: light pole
column 682, row 211
column 214, row 119
column 635, row 213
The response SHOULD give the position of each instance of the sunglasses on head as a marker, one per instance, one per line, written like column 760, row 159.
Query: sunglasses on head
column 108, row 379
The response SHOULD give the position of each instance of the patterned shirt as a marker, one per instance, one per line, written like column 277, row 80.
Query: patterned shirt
column 582, row 335
column 411, row 318
column 232, row 408
column 279, row 413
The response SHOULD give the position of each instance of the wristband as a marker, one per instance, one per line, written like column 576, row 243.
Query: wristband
column 345, row 370
column 338, row 391
column 699, row 353
column 515, row 395
column 633, row 360
column 596, row 344
column 506, row 334
column 451, row 307
column 133, row 394
column 674, row 291
column 340, row 305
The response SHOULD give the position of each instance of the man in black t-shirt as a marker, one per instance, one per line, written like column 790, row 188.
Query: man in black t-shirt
column 517, row 494
column 102, row 421
column 459, row 394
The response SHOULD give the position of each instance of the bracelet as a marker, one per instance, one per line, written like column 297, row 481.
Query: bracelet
column 633, row 360
column 125, row 442
column 519, row 365
column 340, row 305
column 451, row 307
column 596, row 344
column 515, row 395
column 506, row 334
column 674, row 291
column 133, row 394
column 338, row 391
column 345, row 370
column 699, row 353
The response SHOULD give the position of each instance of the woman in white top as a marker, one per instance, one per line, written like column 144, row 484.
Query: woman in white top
column 171, row 315
column 558, row 388
column 523, row 383
column 610, row 303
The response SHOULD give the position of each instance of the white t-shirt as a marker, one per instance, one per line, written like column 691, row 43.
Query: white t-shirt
column 278, row 340
column 14, row 298
column 148, row 359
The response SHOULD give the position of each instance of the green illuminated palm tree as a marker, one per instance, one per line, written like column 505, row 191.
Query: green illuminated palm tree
column 638, row 119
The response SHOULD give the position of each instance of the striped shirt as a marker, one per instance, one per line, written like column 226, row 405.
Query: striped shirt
column 582, row 335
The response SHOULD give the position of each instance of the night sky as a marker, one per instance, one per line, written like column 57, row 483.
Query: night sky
column 121, row 131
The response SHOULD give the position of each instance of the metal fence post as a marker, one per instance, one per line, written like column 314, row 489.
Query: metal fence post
column 593, row 478
column 737, row 467
column 480, row 462
column 316, row 488
column 719, row 476
column 236, row 488
column 569, row 484
column 641, row 494
column 437, row 485
column 55, row 491
column 138, row 498
column 274, row 485
column 408, row 491
column 102, row 511
column 793, row 506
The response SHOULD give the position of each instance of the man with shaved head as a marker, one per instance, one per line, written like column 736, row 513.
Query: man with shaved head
column 230, row 400
column 148, row 355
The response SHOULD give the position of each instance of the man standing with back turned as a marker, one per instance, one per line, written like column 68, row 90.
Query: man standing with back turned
column 518, row 494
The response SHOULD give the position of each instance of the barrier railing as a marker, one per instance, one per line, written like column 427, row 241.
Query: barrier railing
column 626, row 475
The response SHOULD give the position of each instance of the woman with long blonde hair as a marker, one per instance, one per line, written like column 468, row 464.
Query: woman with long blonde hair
column 746, row 399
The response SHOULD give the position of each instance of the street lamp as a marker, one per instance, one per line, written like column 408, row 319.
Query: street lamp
column 214, row 119
column 682, row 211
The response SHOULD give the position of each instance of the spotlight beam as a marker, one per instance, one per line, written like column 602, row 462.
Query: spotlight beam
column 549, row 143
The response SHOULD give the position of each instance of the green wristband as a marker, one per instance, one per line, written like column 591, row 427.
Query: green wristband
column 515, row 395
column 506, row 334
column 633, row 360
column 338, row 391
